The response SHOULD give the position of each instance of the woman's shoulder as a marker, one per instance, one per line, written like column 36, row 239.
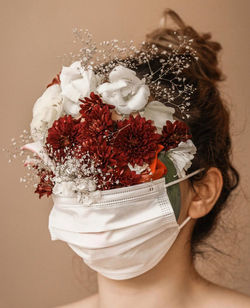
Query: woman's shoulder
column 233, row 299
column 213, row 296
column 222, row 297
column 87, row 302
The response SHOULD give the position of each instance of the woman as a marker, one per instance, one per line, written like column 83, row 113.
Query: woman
column 173, row 281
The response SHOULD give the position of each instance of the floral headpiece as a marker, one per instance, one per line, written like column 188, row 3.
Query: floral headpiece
column 96, row 126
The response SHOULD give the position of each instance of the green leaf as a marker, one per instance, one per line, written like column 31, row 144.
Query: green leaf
column 173, row 191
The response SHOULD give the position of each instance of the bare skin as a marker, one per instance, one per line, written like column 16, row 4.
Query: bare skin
column 174, row 281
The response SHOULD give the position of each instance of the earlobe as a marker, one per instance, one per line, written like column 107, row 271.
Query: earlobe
column 205, row 194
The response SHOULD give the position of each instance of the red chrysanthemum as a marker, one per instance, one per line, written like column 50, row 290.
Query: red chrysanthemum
column 174, row 133
column 123, row 177
column 46, row 185
column 62, row 137
column 137, row 139
column 105, row 156
column 97, row 123
column 90, row 102
column 118, row 176
column 111, row 165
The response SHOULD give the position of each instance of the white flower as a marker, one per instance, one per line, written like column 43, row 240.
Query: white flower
column 182, row 155
column 70, row 188
column 124, row 90
column 138, row 169
column 84, row 185
column 76, row 83
column 46, row 110
column 159, row 113
column 65, row 189
column 37, row 148
column 84, row 190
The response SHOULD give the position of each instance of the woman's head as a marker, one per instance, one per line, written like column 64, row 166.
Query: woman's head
column 209, row 120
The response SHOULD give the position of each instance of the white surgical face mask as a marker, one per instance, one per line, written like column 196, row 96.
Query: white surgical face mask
column 124, row 235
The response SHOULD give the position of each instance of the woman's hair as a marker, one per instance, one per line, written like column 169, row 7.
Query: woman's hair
column 209, row 117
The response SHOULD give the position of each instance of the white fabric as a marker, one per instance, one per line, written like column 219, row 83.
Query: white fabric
column 125, row 234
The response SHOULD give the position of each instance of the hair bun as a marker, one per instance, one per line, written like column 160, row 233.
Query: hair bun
column 166, row 38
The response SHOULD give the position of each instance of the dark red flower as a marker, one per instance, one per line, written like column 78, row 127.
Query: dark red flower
column 104, row 156
column 120, row 177
column 123, row 177
column 174, row 133
column 62, row 137
column 117, row 176
column 137, row 139
column 97, row 123
column 90, row 102
column 111, row 165
column 46, row 185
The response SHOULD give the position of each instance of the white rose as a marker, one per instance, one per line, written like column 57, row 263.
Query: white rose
column 76, row 83
column 46, row 110
column 124, row 90
column 182, row 155
column 159, row 113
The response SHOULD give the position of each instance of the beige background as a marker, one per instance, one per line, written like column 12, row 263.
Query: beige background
column 34, row 271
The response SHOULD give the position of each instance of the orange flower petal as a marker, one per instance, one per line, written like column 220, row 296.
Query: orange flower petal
column 157, row 167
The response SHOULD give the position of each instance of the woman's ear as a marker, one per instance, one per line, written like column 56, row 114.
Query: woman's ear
column 205, row 194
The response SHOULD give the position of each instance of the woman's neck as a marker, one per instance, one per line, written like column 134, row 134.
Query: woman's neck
column 168, row 284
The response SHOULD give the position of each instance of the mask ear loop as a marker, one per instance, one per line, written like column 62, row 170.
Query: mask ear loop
column 184, row 222
column 184, row 177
